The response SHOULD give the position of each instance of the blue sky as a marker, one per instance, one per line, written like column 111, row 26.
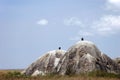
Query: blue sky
column 29, row 28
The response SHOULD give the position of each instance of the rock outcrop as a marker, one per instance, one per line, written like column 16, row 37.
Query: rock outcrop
column 84, row 57
column 45, row 64
column 117, row 60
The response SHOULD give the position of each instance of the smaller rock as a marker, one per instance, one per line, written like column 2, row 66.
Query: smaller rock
column 45, row 64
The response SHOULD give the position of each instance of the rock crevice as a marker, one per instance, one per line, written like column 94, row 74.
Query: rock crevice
column 82, row 57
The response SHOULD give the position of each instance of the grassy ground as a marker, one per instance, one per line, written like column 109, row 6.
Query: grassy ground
column 15, row 75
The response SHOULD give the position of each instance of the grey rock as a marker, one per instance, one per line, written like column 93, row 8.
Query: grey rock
column 117, row 60
column 84, row 57
column 45, row 64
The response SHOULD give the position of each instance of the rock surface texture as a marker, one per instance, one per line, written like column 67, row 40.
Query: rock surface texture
column 117, row 60
column 84, row 57
column 45, row 64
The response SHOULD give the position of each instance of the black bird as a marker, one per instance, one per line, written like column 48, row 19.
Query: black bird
column 82, row 39
column 59, row 48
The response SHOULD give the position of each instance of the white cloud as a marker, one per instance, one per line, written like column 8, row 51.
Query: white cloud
column 73, row 21
column 108, row 24
column 105, row 26
column 82, row 34
column 75, row 38
column 42, row 22
column 85, row 33
column 113, row 4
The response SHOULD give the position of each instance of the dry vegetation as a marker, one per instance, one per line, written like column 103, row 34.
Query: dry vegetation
column 15, row 75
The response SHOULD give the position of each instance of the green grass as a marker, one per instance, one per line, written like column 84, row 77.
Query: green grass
column 95, row 75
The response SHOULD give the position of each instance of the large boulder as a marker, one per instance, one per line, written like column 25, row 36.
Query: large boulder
column 45, row 64
column 117, row 60
column 84, row 57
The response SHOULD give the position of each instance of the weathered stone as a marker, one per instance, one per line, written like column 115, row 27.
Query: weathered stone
column 84, row 57
column 117, row 60
column 45, row 64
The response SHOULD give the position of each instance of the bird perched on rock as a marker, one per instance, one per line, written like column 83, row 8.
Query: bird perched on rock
column 82, row 39
column 59, row 48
